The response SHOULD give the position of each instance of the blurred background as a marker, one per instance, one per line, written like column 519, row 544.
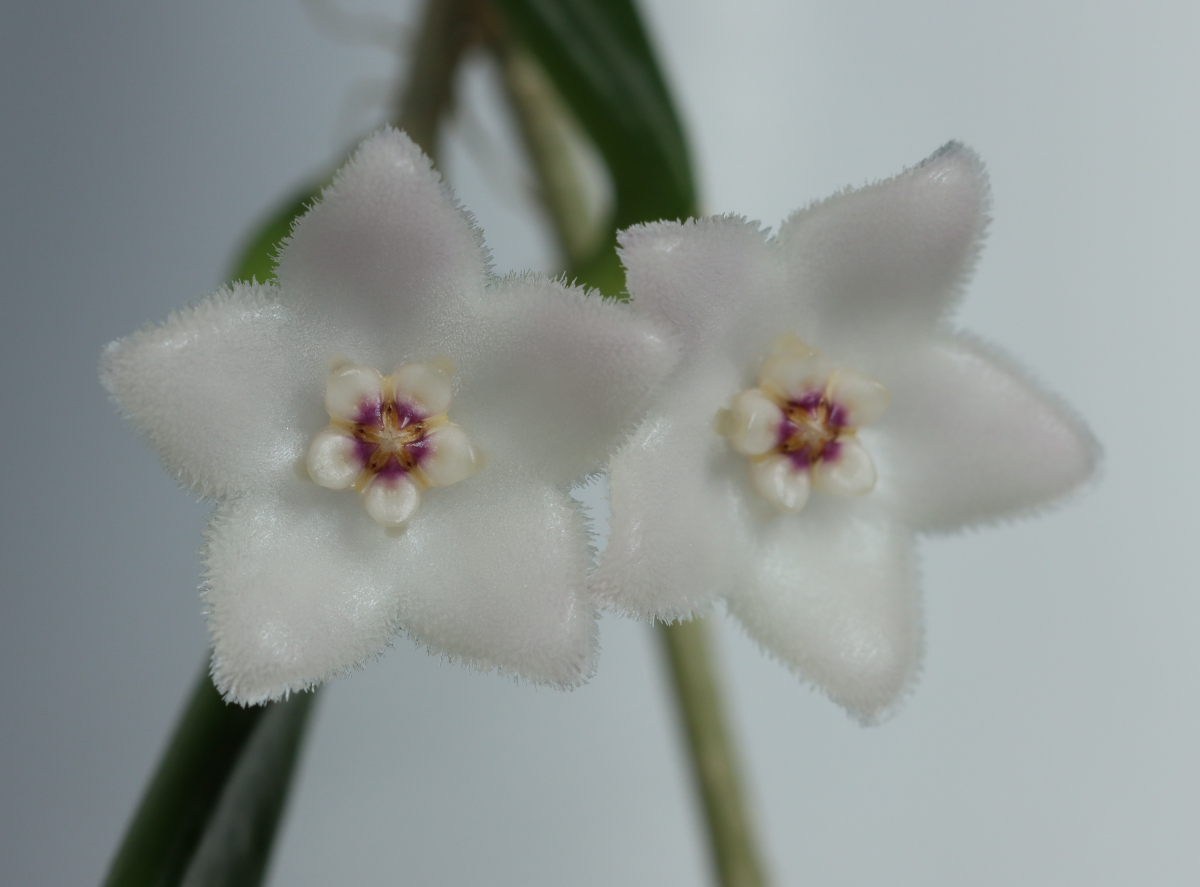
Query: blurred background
column 1052, row 739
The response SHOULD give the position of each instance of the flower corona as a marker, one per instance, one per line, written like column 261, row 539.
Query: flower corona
column 798, row 427
column 389, row 438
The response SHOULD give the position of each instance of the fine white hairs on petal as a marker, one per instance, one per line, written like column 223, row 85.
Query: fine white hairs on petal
column 218, row 389
column 834, row 595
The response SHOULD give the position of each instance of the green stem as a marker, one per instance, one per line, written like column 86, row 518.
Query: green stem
column 714, row 765
column 551, row 138
column 447, row 28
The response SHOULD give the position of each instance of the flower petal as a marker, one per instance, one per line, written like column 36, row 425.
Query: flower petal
column 893, row 254
column 334, row 459
column 386, row 254
column 697, row 277
column 304, row 586
column 299, row 588
column 553, row 378
column 674, row 545
column 495, row 578
column 833, row 593
column 970, row 438
column 228, row 390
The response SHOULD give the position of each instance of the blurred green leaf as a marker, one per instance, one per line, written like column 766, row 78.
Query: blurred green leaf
column 211, row 812
column 600, row 59
column 257, row 258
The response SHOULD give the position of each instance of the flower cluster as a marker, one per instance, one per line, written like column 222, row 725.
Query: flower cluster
column 779, row 417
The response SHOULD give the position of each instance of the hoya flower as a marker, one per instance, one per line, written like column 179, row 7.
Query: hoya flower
column 390, row 433
column 824, row 412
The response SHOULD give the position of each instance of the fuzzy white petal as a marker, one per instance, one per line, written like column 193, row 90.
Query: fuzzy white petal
column 695, row 275
column 228, row 390
column 333, row 459
column 495, row 578
column 451, row 456
column 299, row 588
column 674, row 545
column 551, row 377
column 489, row 572
column 970, row 438
column 890, row 256
column 385, row 256
column 833, row 594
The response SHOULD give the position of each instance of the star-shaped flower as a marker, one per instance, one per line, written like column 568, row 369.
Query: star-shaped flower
column 460, row 406
column 824, row 412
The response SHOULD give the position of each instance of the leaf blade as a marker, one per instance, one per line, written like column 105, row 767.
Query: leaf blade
column 189, row 806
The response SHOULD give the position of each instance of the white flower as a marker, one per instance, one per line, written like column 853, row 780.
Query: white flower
column 499, row 393
column 705, row 509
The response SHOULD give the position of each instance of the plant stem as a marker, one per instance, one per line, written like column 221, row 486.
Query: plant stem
column 548, row 131
column 714, row 765
column 539, row 112
column 447, row 28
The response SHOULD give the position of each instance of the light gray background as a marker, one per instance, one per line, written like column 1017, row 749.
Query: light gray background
column 1053, row 737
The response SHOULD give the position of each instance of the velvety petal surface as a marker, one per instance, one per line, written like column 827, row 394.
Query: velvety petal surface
column 495, row 577
column 675, row 544
column 551, row 377
column 386, row 257
column 299, row 588
column 697, row 275
column 893, row 256
column 304, row 586
column 228, row 391
column 970, row 438
column 833, row 593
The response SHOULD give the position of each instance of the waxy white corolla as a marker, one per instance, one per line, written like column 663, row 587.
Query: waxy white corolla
column 391, row 434
column 824, row 412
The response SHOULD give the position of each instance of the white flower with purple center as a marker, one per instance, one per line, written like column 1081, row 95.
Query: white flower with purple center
column 271, row 399
column 849, row 417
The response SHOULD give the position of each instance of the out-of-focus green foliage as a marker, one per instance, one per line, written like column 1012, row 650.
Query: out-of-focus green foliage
column 600, row 59
column 210, row 814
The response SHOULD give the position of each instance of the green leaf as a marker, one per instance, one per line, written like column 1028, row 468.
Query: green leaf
column 600, row 59
column 211, row 812
column 257, row 258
